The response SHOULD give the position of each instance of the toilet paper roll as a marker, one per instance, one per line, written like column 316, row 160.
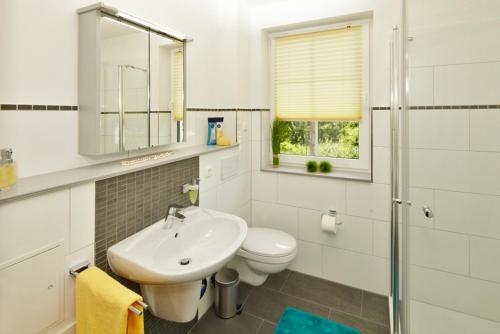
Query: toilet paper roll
column 329, row 224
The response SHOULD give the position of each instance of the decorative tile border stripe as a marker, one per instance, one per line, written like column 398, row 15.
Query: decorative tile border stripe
column 227, row 109
column 136, row 112
column 22, row 107
column 36, row 107
column 451, row 107
column 41, row 107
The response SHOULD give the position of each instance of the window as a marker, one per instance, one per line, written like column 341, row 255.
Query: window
column 320, row 89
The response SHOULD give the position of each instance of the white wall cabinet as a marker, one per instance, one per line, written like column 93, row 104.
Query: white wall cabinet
column 32, row 293
column 41, row 237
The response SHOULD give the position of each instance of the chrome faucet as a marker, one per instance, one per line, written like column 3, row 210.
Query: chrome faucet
column 173, row 211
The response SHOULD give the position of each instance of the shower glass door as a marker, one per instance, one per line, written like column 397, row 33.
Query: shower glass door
column 450, row 164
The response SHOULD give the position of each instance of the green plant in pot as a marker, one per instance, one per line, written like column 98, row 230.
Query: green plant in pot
column 278, row 132
column 325, row 167
column 312, row 166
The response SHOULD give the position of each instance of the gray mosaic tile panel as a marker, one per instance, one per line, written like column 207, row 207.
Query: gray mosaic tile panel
column 128, row 203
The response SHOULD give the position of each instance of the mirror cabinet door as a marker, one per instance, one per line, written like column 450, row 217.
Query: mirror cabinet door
column 124, row 87
column 167, row 90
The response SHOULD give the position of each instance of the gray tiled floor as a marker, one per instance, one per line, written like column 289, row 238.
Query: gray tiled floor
column 263, row 306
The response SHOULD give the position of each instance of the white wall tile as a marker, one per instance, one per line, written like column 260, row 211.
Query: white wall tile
column 210, row 170
column 455, row 170
column 245, row 150
column 461, row 37
column 311, row 192
column 421, row 197
column 382, row 239
column 439, row 129
column 233, row 194
column 455, row 292
column 458, row 84
column 256, row 154
column 265, row 186
column 256, row 125
column 208, row 199
column 381, row 128
column 308, row 259
column 422, row 86
column 439, row 250
column 468, row 213
column 485, row 258
column 33, row 223
column 82, row 216
column 354, row 234
column 361, row 271
column 276, row 216
column 430, row 319
column 369, row 200
column 485, row 130
column 245, row 212
column 244, row 126
column 381, row 165
column 210, row 167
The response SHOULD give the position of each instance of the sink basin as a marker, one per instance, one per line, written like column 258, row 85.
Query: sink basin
column 190, row 250
column 171, row 262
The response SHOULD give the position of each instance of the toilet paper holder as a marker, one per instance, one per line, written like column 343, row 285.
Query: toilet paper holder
column 332, row 213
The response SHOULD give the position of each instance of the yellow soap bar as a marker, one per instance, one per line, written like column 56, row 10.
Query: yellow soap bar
column 223, row 141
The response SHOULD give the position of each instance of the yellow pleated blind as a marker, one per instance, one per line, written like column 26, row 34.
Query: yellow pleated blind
column 318, row 75
column 178, row 85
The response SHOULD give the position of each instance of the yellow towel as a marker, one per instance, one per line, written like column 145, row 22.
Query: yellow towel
column 102, row 305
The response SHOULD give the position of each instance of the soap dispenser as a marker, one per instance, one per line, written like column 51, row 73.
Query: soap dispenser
column 192, row 190
column 8, row 169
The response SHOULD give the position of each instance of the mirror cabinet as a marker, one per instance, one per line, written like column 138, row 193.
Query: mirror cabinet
column 131, row 88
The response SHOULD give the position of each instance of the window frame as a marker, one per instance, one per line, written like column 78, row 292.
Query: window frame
column 363, row 163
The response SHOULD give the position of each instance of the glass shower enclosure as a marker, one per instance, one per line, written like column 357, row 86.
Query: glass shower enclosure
column 445, row 116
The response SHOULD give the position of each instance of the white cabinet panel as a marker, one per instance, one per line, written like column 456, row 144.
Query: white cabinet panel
column 28, row 225
column 32, row 293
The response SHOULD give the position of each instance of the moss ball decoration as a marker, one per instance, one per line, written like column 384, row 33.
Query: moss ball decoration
column 312, row 166
column 325, row 167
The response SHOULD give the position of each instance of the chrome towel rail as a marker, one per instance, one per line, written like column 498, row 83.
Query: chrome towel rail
column 75, row 270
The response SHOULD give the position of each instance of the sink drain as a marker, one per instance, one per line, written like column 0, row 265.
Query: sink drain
column 185, row 261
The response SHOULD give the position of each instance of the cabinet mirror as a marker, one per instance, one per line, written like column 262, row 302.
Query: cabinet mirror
column 139, row 73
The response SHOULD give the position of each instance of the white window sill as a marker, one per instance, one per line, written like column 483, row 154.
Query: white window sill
column 335, row 174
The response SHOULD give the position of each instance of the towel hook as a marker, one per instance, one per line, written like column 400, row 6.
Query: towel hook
column 77, row 269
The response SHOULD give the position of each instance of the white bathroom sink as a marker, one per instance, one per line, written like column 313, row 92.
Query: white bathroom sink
column 206, row 239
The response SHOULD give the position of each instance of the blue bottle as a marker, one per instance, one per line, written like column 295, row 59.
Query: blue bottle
column 212, row 132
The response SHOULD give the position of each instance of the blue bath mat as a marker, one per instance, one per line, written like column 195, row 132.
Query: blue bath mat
column 295, row 321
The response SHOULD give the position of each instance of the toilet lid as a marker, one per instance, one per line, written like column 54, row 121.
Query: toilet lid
column 268, row 242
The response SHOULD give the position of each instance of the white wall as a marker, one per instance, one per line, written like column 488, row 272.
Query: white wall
column 359, row 254
column 455, row 167
column 229, row 191
column 38, row 63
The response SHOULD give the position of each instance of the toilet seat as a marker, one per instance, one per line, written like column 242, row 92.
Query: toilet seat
column 266, row 259
column 268, row 245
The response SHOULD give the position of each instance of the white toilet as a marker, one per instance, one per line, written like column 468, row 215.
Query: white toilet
column 265, row 251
